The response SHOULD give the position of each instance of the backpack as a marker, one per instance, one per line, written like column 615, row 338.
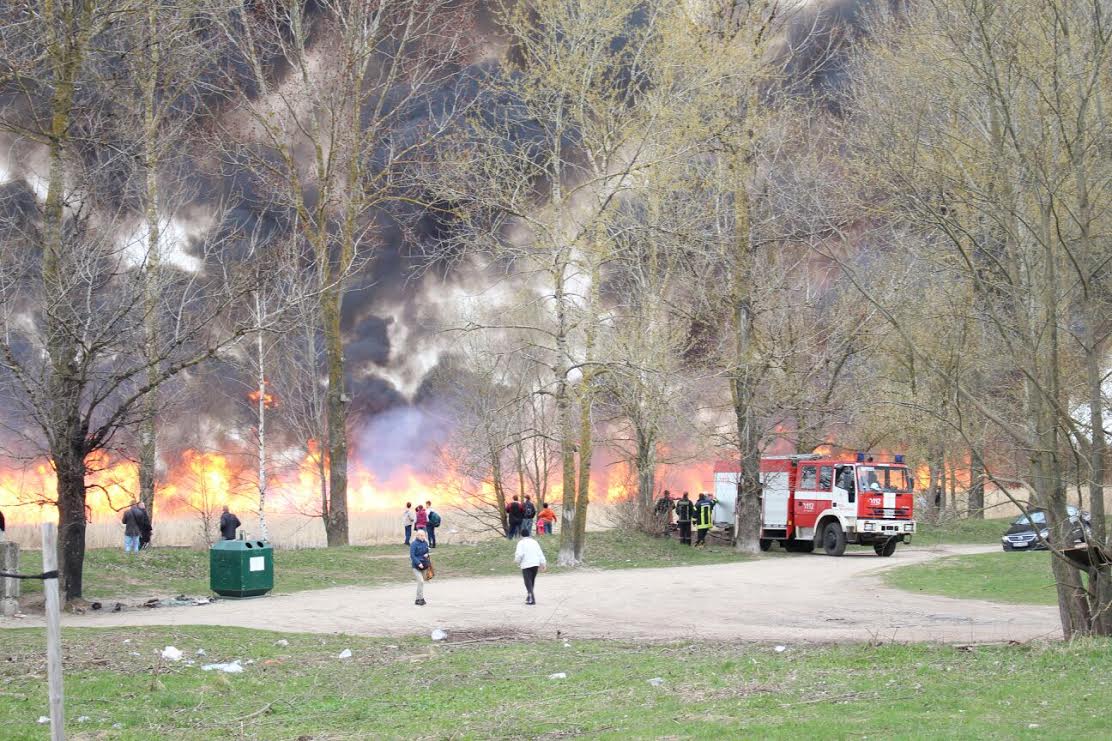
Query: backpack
column 530, row 511
column 434, row 519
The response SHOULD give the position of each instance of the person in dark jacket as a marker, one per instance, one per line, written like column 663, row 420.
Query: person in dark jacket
column 515, row 513
column 133, row 528
column 528, row 515
column 664, row 509
column 229, row 523
column 3, row 527
column 420, row 561
column 145, row 527
column 685, row 508
column 704, row 517
column 434, row 522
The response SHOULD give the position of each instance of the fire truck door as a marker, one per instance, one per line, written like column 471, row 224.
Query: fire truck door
column 775, row 489
column 845, row 492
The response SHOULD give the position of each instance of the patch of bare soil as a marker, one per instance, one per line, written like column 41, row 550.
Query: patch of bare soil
column 803, row 597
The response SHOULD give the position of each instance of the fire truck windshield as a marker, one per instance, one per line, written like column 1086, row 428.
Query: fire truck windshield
column 884, row 478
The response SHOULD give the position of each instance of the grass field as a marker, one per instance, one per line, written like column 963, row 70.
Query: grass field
column 1016, row 578
column 478, row 689
column 962, row 531
column 162, row 572
column 966, row 531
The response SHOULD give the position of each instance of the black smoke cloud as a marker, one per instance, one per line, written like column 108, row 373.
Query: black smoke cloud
column 384, row 291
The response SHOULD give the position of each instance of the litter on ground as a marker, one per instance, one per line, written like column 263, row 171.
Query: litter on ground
column 232, row 668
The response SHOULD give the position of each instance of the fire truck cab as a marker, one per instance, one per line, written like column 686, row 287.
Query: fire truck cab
column 809, row 500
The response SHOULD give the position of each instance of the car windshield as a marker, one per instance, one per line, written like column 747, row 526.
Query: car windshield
column 886, row 479
column 1037, row 517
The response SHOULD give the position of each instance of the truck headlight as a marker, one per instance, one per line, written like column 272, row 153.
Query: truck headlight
column 869, row 527
column 908, row 528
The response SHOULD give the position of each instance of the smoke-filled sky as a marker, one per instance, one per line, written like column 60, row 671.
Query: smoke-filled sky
column 392, row 315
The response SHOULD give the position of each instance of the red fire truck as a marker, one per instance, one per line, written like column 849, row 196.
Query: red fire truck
column 809, row 500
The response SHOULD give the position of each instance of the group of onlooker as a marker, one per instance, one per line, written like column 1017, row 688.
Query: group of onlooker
column 700, row 513
column 423, row 517
column 521, row 516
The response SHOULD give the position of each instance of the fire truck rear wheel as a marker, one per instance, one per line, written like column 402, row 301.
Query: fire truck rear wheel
column 885, row 549
column 834, row 539
column 765, row 544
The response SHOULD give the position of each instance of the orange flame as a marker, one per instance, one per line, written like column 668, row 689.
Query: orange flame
column 268, row 398
column 201, row 481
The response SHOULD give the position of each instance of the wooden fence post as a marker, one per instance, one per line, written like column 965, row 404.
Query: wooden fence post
column 9, row 602
column 53, row 631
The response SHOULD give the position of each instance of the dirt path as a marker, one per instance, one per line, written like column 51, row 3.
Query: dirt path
column 811, row 598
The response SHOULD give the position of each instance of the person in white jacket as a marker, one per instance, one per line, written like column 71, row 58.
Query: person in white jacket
column 530, row 558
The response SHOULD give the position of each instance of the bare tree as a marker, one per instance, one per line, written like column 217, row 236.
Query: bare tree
column 157, row 91
column 536, row 180
column 332, row 140
column 754, row 44
column 982, row 131
column 69, row 302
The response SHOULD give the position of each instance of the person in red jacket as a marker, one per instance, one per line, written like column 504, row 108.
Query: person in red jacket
column 545, row 520
column 422, row 518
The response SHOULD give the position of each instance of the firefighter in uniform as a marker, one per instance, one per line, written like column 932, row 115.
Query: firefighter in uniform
column 704, row 516
column 684, row 509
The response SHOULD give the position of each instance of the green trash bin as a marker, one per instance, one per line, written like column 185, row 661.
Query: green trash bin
column 241, row 568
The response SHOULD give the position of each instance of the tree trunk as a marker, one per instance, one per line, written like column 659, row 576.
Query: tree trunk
column 586, row 402
column 260, row 408
column 1100, row 579
column 519, row 458
column 69, row 465
column 67, row 433
column 566, row 555
column 747, row 506
column 646, row 471
column 936, row 468
column 148, row 426
column 336, row 524
column 586, row 452
column 1073, row 603
column 976, row 508
column 953, row 500
column 499, row 489
column 322, row 473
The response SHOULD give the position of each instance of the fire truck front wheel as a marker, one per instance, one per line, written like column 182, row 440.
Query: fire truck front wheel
column 887, row 548
column 833, row 539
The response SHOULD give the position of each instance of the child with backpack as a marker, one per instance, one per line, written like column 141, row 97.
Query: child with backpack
column 433, row 523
